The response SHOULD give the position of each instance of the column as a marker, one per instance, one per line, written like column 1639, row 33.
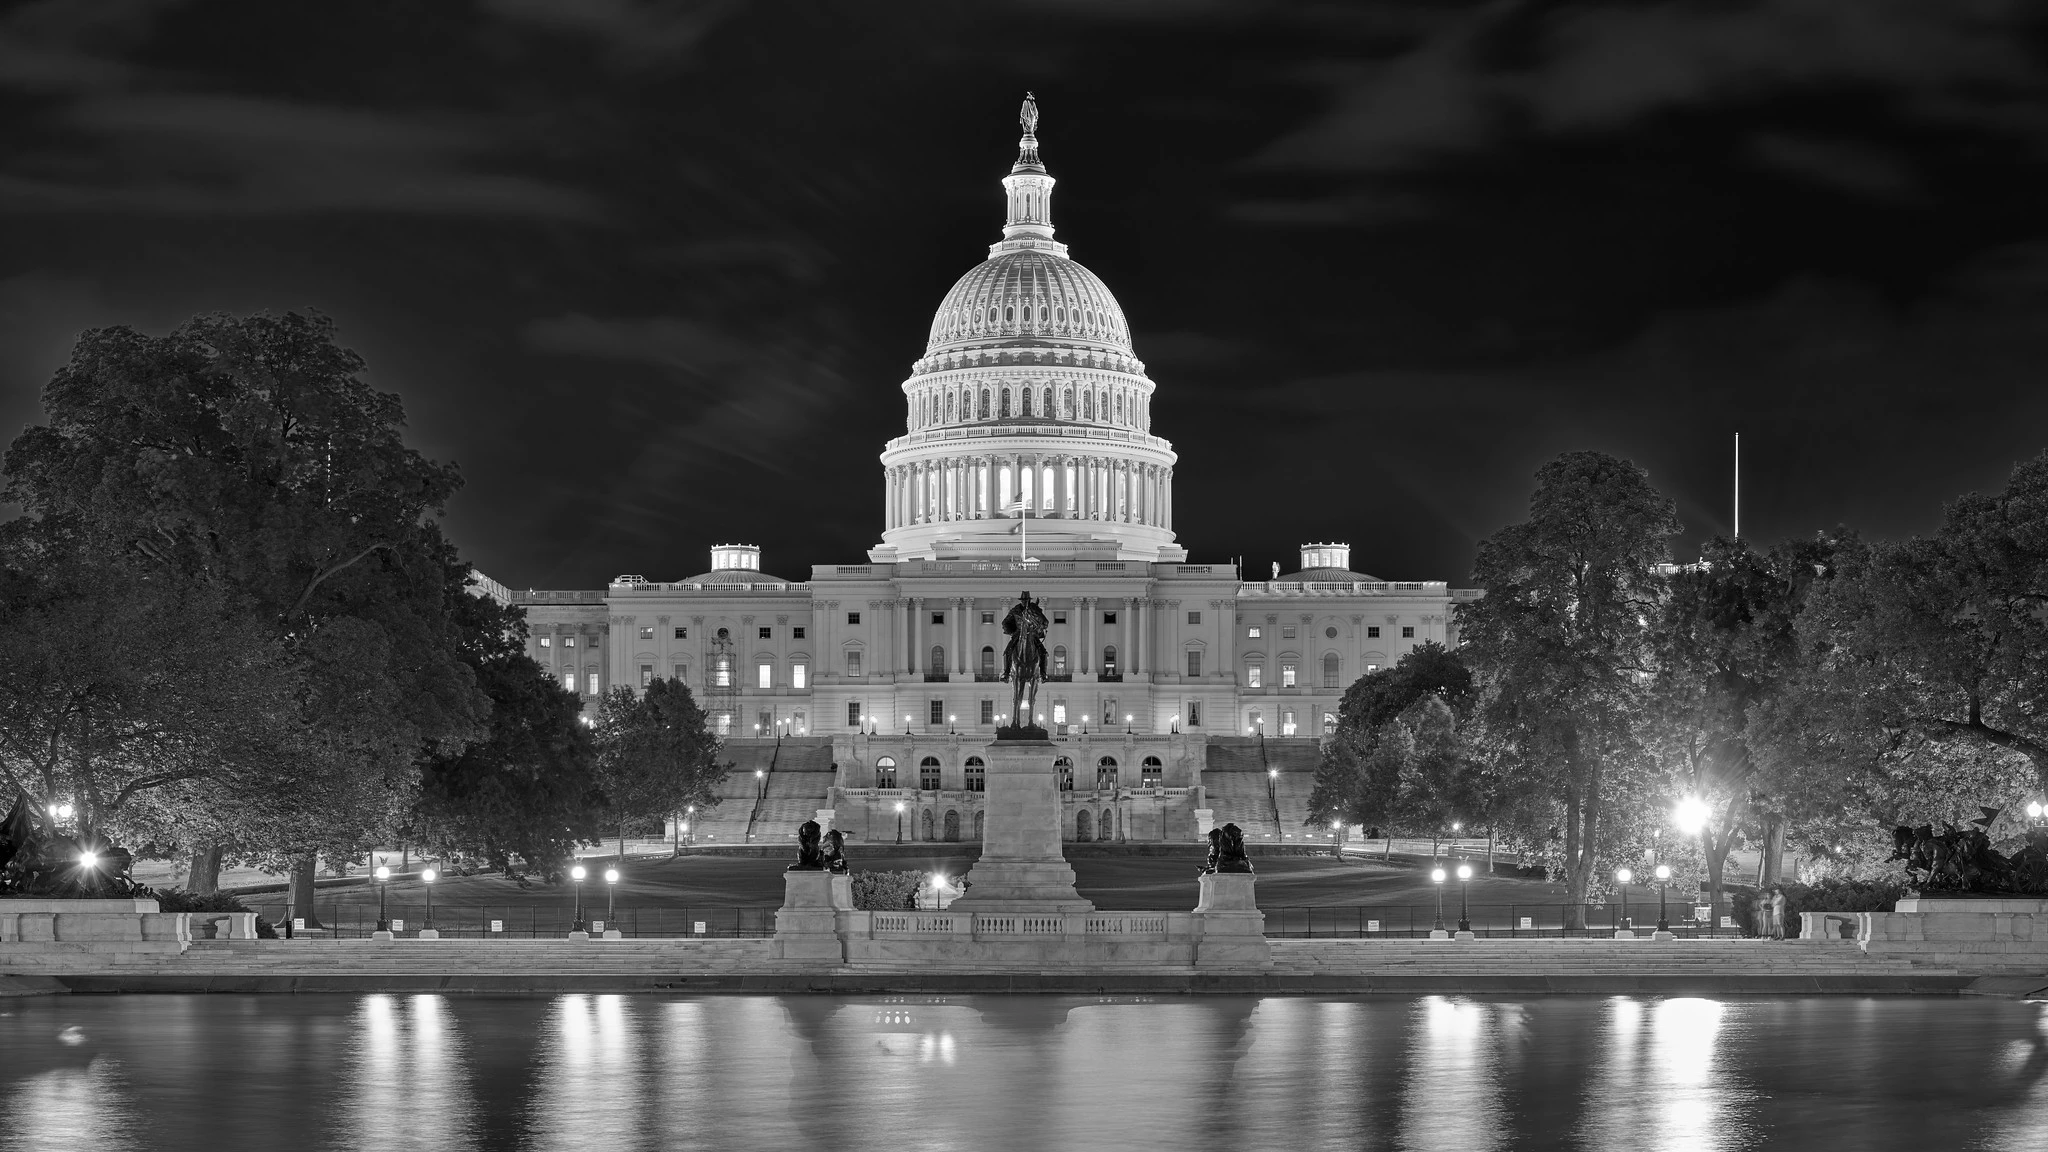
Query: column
column 1138, row 662
column 901, row 658
column 961, row 634
column 1167, row 483
column 1087, row 662
column 1059, row 485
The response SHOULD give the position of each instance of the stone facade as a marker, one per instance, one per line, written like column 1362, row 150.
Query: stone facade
column 1028, row 462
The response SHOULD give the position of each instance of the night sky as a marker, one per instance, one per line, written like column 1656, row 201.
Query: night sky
column 652, row 273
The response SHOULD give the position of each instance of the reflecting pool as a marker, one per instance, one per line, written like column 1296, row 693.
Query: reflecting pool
column 605, row 1072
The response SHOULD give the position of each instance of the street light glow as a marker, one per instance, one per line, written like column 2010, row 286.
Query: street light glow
column 2034, row 809
column 577, row 873
column 1437, row 875
column 1623, row 876
column 1663, row 871
column 88, row 859
column 428, row 875
column 383, row 873
column 1690, row 815
column 611, row 875
column 1464, row 871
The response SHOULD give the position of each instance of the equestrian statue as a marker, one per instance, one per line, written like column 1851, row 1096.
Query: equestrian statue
column 1024, row 664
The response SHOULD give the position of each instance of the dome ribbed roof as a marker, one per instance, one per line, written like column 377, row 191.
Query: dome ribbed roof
column 1329, row 576
column 1029, row 297
column 734, row 576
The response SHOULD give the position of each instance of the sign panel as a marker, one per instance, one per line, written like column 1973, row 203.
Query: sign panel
column 497, row 925
column 1372, row 925
column 1528, row 921
column 398, row 925
column 700, row 927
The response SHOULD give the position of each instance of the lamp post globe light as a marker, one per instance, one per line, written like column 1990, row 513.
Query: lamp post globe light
column 1626, row 931
column 427, row 930
column 577, row 929
column 383, row 932
column 1663, row 920
column 611, row 904
column 2034, row 809
column 1436, row 877
column 899, row 821
column 1464, row 913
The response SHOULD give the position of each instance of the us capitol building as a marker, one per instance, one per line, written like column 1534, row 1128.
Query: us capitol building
column 1182, row 693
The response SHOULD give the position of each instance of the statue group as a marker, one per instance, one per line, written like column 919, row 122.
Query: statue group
column 818, row 850
column 1226, row 851
column 36, row 863
column 1024, row 666
column 1963, row 860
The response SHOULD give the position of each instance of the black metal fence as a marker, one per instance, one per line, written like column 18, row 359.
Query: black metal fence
column 350, row 921
column 1507, row 921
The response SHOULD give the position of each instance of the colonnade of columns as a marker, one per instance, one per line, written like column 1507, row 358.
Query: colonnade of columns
column 983, row 487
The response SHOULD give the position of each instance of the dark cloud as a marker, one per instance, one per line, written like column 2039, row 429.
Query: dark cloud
column 639, row 33
column 1842, row 164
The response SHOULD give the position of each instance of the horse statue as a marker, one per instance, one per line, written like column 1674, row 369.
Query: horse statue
column 87, row 866
column 1024, row 660
column 1226, row 851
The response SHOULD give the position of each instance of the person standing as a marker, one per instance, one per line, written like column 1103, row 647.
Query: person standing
column 1777, row 913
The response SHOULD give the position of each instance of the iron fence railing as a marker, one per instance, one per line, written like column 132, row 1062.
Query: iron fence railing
column 1505, row 921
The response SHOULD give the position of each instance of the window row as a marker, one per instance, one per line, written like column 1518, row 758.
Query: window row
column 1290, row 675
column 1255, row 723
column 1102, row 404
column 1060, row 312
column 1289, row 631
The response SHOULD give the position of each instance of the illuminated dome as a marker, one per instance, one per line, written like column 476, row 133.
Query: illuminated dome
column 1029, row 298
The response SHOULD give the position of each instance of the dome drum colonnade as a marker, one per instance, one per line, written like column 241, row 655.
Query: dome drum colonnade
column 1029, row 402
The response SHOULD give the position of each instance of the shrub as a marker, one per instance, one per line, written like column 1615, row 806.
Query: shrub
column 178, row 900
column 885, row 891
column 1841, row 894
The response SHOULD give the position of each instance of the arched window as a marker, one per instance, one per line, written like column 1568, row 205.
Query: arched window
column 938, row 664
column 1109, row 659
column 1119, row 405
column 1059, row 660
column 927, row 824
column 724, row 634
column 977, row 778
column 1088, row 405
column 988, row 661
column 1006, row 402
column 1026, row 403
column 949, row 407
column 1009, row 314
column 984, row 403
column 1151, row 772
column 1084, row 826
column 1331, row 665
column 1065, row 768
column 721, row 669
column 928, row 774
column 1106, row 830
column 765, row 676
column 1046, row 405
column 885, row 772
column 952, row 824
column 1105, row 772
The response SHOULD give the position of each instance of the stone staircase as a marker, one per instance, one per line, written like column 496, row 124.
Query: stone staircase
column 1583, row 957
column 729, row 821
column 1241, row 798
column 1296, row 759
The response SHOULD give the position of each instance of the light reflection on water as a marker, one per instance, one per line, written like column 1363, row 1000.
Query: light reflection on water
column 990, row 1072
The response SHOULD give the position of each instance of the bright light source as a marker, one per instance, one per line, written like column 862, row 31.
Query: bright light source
column 383, row 873
column 577, row 873
column 62, row 811
column 683, row 827
column 1623, row 876
column 1663, row 871
column 88, row 860
column 1464, row 871
column 758, row 773
column 1457, row 825
column 1690, row 815
column 1273, row 772
column 1437, row 875
column 611, row 875
column 428, row 875
column 2034, row 809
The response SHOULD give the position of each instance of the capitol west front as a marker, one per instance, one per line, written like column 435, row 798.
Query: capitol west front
column 1181, row 694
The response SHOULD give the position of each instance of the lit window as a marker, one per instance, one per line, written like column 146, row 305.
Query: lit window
column 1194, row 617
column 767, row 633
column 647, row 633
column 593, row 683
column 547, row 642
column 765, row 676
column 1331, row 667
column 569, row 681
column 1253, row 632
column 1372, row 631
column 853, row 617
column 1287, row 675
column 646, row 675
column 1407, row 631
column 683, row 673
column 721, row 671
column 1252, row 675
column 1329, row 723
column 1059, row 712
column 885, row 767
column 568, row 641
column 1287, row 723
column 853, row 663
column 798, row 676
column 683, row 632
column 1059, row 660
column 1371, row 668
column 1194, row 664
column 1151, row 772
column 796, row 633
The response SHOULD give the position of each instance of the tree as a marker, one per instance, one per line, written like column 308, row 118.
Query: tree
column 1352, row 777
column 247, row 454
column 1723, row 645
column 1559, row 649
column 529, row 789
column 655, row 752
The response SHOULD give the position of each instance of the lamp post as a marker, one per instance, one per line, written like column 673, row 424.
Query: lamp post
column 1663, row 921
column 1436, row 876
column 1084, row 724
column 950, row 718
column 1627, row 930
column 427, row 930
column 899, row 821
column 1127, row 723
column 1173, row 726
column 1464, row 914
column 611, row 904
column 577, row 928
column 383, row 932
column 760, row 784
column 691, row 813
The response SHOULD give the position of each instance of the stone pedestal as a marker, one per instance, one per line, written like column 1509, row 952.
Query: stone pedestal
column 1022, row 868
column 1466, row 935
column 430, row 933
column 1663, row 936
column 1624, row 934
column 1439, row 934
column 614, row 934
column 807, row 926
column 1205, row 819
column 579, row 936
column 382, row 934
column 1230, row 929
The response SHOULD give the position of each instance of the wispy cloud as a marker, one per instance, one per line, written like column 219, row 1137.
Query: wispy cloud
column 638, row 33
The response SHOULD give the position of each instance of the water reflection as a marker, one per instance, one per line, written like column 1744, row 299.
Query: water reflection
column 907, row 1073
